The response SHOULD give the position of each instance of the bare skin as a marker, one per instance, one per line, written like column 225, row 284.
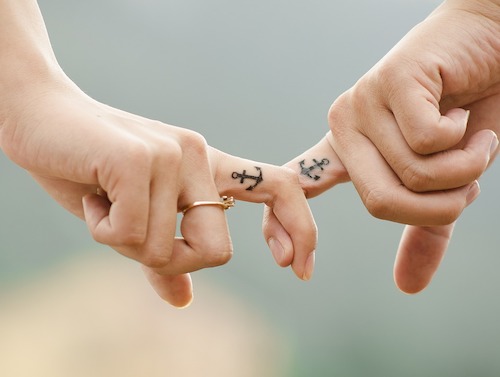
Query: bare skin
column 125, row 175
column 416, row 132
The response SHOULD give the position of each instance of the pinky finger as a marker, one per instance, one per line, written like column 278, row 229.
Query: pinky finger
column 419, row 255
column 177, row 290
column 279, row 241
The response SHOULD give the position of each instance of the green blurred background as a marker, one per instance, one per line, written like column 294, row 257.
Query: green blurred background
column 257, row 79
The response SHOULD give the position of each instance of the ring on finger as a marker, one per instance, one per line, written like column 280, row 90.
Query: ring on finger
column 225, row 203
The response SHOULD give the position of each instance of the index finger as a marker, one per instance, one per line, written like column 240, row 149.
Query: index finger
column 385, row 196
column 414, row 102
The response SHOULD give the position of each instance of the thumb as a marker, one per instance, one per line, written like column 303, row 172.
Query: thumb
column 419, row 255
column 95, row 208
column 277, row 238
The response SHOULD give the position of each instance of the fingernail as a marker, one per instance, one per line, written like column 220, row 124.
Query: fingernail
column 473, row 192
column 467, row 115
column 494, row 145
column 276, row 248
column 309, row 268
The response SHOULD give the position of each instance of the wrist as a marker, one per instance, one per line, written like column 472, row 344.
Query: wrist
column 27, row 62
column 489, row 9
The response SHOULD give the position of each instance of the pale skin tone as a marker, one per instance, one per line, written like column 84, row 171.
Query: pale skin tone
column 404, row 135
column 400, row 134
column 128, row 176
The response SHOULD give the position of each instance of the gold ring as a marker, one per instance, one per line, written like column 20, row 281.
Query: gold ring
column 225, row 203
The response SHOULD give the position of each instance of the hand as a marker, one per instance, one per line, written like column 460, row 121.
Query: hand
column 128, row 177
column 405, row 139
column 420, row 251
column 403, row 136
column 402, row 130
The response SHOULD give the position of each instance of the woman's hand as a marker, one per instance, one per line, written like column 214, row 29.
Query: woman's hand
column 128, row 177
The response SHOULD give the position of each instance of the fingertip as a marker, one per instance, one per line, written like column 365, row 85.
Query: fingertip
column 183, row 303
column 429, row 131
column 493, row 145
column 283, row 256
column 95, row 206
column 177, row 290
column 277, row 238
column 419, row 255
column 472, row 193
column 179, row 303
column 451, row 129
column 459, row 116
column 305, row 251
column 95, row 209
column 409, row 285
column 309, row 266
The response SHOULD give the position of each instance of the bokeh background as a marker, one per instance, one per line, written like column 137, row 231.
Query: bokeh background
column 256, row 79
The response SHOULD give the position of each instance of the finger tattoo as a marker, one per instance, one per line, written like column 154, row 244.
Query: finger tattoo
column 244, row 176
column 317, row 165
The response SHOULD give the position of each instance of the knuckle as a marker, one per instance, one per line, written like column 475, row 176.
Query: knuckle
column 98, row 237
column 445, row 215
column 194, row 143
column 452, row 211
column 387, row 73
column 338, row 111
column 220, row 258
column 390, row 73
column 138, row 152
column 377, row 203
column 154, row 259
column 416, row 178
column 382, row 205
column 131, row 237
column 144, row 153
column 449, row 216
column 288, row 177
column 286, row 181
column 217, row 253
column 423, row 141
column 346, row 114
column 171, row 151
column 164, row 149
column 335, row 112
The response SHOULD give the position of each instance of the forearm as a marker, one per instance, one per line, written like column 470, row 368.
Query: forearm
column 26, row 56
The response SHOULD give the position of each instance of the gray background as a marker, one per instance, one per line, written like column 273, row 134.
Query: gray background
column 257, row 78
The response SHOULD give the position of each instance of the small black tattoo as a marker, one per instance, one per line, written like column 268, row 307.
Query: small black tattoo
column 317, row 165
column 242, row 176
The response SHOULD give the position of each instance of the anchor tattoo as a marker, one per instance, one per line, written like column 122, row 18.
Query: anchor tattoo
column 242, row 176
column 317, row 165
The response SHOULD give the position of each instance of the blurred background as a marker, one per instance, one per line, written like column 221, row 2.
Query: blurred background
column 256, row 79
